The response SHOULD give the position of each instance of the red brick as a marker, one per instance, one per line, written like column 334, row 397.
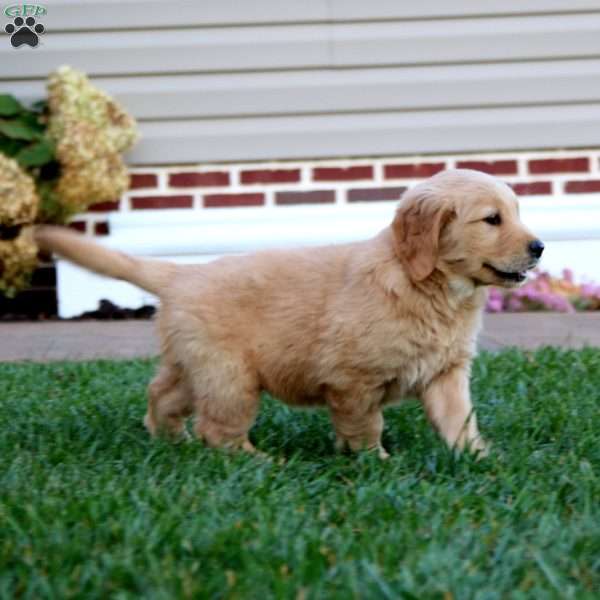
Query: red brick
column 559, row 165
column 496, row 167
column 314, row 197
column 412, row 171
column 374, row 194
column 534, row 188
column 101, row 228
column 271, row 176
column 78, row 226
column 104, row 206
column 143, row 180
column 207, row 179
column 216, row 200
column 582, row 187
column 342, row 174
column 142, row 202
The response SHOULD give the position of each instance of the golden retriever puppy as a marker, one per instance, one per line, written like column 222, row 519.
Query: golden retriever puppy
column 354, row 327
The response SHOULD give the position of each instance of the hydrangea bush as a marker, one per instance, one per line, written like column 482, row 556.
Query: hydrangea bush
column 57, row 157
column 544, row 292
column 18, row 209
column 89, row 131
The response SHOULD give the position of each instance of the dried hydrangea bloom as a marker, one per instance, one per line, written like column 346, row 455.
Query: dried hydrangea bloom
column 101, row 180
column 18, row 259
column 18, row 199
column 82, row 144
column 72, row 98
column 90, row 131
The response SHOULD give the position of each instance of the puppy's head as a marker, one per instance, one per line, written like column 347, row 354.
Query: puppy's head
column 464, row 223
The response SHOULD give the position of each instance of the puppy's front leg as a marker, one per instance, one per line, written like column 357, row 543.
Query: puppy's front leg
column 448, row 405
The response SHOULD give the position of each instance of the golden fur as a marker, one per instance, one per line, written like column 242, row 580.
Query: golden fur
column 352, row 327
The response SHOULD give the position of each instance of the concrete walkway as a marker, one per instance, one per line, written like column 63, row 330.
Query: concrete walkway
column 84, row 340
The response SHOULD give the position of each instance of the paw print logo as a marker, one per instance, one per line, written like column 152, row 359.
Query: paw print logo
column 24, row 31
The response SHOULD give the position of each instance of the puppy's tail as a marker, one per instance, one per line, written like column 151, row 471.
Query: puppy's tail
column 151, row 275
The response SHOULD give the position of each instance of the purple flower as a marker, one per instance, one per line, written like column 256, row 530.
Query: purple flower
column 543, row 284
column 515, row 304
column 494, row 305
column 544, row 292
column 590, row 290
column 495, row 300
column 568, row 275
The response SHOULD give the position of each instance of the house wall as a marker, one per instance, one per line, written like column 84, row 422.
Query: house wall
column 233, row 81
column 270, row 102
column 541, row 175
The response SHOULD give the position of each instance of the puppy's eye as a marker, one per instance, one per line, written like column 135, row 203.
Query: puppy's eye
column 493, row 219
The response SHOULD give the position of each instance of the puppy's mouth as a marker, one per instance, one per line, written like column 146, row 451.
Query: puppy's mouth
column 514, row 276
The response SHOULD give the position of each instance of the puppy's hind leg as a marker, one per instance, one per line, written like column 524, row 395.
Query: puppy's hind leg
column 169, row 402
column 226, row 399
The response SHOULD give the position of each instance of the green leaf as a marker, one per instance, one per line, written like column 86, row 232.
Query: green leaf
column 10, row 147
column 39, row 106
column 36, row 155
column 32, row 120
column 18, row 130
column 9, row 105
column 51, row 210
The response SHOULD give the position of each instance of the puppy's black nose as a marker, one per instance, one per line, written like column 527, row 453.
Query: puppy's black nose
column 536, row 248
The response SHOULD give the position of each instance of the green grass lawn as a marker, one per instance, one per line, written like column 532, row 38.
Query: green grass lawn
column 90, row 507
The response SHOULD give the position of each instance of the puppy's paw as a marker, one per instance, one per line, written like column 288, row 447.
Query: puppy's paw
column 480, row 448
column 248, row 447
column 149, row 424
column 382, row 453
column 185, row 436
column 175, row 434
column 341, row 444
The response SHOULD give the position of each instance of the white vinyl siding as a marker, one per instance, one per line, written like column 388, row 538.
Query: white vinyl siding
column 215, row 80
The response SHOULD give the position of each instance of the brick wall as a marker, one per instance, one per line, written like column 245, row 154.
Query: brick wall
column 202, row 187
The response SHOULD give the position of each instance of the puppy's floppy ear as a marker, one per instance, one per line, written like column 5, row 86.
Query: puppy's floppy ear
column 417, row 228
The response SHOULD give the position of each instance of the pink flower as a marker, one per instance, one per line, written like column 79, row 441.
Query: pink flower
column 515, row 304
column 494, row 305
column 543, row 284
column 495, row 300
column 544, row 292
column 590, row 290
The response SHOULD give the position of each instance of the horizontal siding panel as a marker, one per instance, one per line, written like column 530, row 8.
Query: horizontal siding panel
column 183, row 50
column 76, row 15
column 313, row 46
column 348, row 10
column 362, row 135
column 469, row 40
column 231, row 80
column 132, row 14
column 357, row 90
